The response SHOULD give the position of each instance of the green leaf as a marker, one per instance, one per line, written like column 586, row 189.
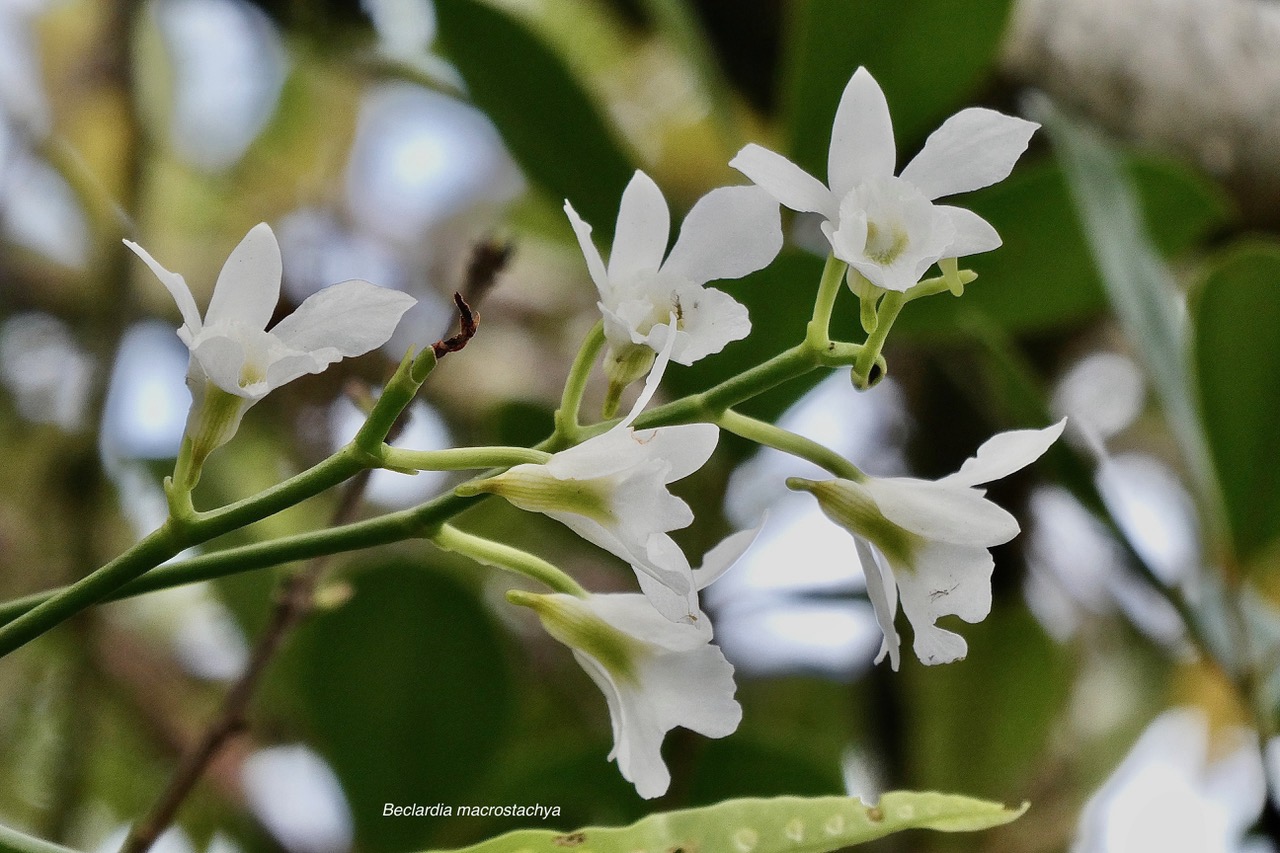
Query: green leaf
column 1236, row 313
column 1139, row 286
column 13, row 841
column 406, row 691
column 1044, row 275
column 740, row 767
column 546, row 119
column 984, row 722
column 791, row 824
column 929, row 56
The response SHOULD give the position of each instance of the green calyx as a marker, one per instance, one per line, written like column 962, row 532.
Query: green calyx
column 850, row 505
column 572, row 623
column 532, row 488
column 212, row 422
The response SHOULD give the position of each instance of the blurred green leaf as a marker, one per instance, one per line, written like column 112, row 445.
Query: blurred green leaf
column 569, row 769
column 12, row 841
column 1139, row 286
column 927, row 55
column 1044, row 276
column 407, row 693
column 546, row 119
column 792, row 824
column 739, row 767
column 1236, row 315
column 980, row 724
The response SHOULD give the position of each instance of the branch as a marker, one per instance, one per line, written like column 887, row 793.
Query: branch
column 488, row 259
column 294, row 599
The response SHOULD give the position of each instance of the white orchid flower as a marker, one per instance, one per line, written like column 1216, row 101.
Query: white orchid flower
column 884, row 226
column 236, row 361
column 612, row 491
column 655, row 674
column 926, row 542
column 729, row 233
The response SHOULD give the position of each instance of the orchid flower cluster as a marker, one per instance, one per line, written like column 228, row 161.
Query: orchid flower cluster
column 922, row 544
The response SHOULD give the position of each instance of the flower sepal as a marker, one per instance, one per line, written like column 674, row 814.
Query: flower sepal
column 570, row 621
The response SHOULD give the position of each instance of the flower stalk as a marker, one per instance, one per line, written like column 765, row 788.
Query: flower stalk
column 496, row 554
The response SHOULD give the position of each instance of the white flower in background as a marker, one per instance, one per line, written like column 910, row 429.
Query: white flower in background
column 612, row 491
column 235, row 361
column 729, row 233
column 926, row 542
column 655, row 674
column 886, row 227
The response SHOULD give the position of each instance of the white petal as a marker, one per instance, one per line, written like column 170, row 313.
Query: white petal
column 675, row 607
column 935, row 646
column 973, row 233
column 942, row 512
column 862, row 144
column 248, row 287
column 883, row 592
column 601, row 456
column 175, row 284
column 711, row 320
column 1002, row 454
column 353, row 318
column 792, row 186
column 643, row 505
column 974, row 148
column 684, row 447
column 634, row 614
column 644, row 225
column 290, row 365
column 652, row 381
column 729, row 233
column 944, row 580
column 637, row 739
column 222, row 360
column 695, row 690
column 721, row 558
column 633, row 553
column 595, row 265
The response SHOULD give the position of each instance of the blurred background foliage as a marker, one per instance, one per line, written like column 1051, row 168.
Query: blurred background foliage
column 1126, row 681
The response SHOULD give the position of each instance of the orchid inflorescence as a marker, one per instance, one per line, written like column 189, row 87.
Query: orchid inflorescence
column 922, row 544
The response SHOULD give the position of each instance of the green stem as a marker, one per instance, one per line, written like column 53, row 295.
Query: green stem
column 157, row 547
column 567, row 420
column 177, row 489
column 890, row 305
column 941, row 283
column 765, row 433
column 500, row 556
column 420, row 521
column 818, row 332
column 460, row 458
column 185, row 530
